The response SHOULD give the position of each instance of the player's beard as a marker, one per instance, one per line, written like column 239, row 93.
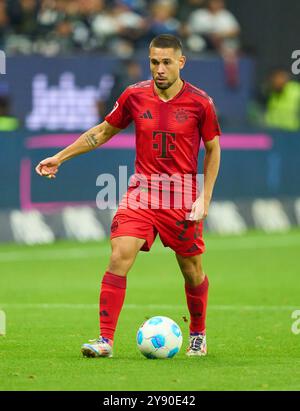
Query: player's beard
column 164, row 86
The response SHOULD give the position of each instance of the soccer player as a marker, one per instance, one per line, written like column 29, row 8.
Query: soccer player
column 171, row 118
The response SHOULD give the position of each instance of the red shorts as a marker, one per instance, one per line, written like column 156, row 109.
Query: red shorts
column 183, row 236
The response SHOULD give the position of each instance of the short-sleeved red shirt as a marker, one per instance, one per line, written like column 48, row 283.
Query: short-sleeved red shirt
column 168, row 134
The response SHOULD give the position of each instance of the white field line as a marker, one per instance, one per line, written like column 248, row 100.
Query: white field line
column 148, row 306
column 68, row 253
column 250, row 243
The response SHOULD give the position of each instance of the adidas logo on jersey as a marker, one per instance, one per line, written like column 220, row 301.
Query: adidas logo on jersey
column 147, row 114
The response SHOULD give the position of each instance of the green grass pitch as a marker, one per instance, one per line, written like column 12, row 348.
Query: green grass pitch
column 50, row 297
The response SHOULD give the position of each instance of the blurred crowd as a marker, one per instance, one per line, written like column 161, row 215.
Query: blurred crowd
column 119, row 27
column 124, row 28
column 277, row 104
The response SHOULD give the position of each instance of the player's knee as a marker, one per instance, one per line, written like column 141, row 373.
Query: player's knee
column 199, row 277
column 192, row 271
column 120, row 260
column 194, row 277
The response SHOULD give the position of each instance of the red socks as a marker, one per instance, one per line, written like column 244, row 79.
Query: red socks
column 112, row 295
column 197, row 301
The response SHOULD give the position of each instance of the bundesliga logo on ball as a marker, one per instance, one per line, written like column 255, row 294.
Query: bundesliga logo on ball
column 159, row 337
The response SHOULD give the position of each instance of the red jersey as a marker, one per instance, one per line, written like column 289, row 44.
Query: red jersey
column 168, row 133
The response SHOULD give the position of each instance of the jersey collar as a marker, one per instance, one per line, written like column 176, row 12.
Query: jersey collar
column 173, row 98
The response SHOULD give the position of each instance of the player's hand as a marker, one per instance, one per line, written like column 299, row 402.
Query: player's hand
column 48, row 167
column 199, row 209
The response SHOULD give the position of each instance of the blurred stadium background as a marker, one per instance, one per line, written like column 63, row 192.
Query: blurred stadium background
column 68, row 60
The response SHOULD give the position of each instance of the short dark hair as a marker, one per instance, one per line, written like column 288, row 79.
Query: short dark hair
column 166, row 41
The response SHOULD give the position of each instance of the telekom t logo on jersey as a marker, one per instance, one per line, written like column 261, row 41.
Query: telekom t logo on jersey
column 163, row 142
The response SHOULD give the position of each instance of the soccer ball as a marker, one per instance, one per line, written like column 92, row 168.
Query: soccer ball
column 159, row 337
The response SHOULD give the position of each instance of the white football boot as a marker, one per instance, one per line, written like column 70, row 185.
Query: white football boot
column 197, row 345
column 97, row 348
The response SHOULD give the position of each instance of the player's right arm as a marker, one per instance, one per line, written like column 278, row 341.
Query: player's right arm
column 91, row 139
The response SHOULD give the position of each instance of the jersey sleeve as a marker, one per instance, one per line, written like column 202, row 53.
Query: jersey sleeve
column 209, row 125
column 120, row 115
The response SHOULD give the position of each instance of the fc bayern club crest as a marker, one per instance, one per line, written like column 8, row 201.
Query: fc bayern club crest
column 181, row 115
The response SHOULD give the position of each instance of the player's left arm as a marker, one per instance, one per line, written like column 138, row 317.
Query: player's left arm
column 211, row 169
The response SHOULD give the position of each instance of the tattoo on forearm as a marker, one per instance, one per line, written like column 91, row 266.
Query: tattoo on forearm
column 91, row 140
